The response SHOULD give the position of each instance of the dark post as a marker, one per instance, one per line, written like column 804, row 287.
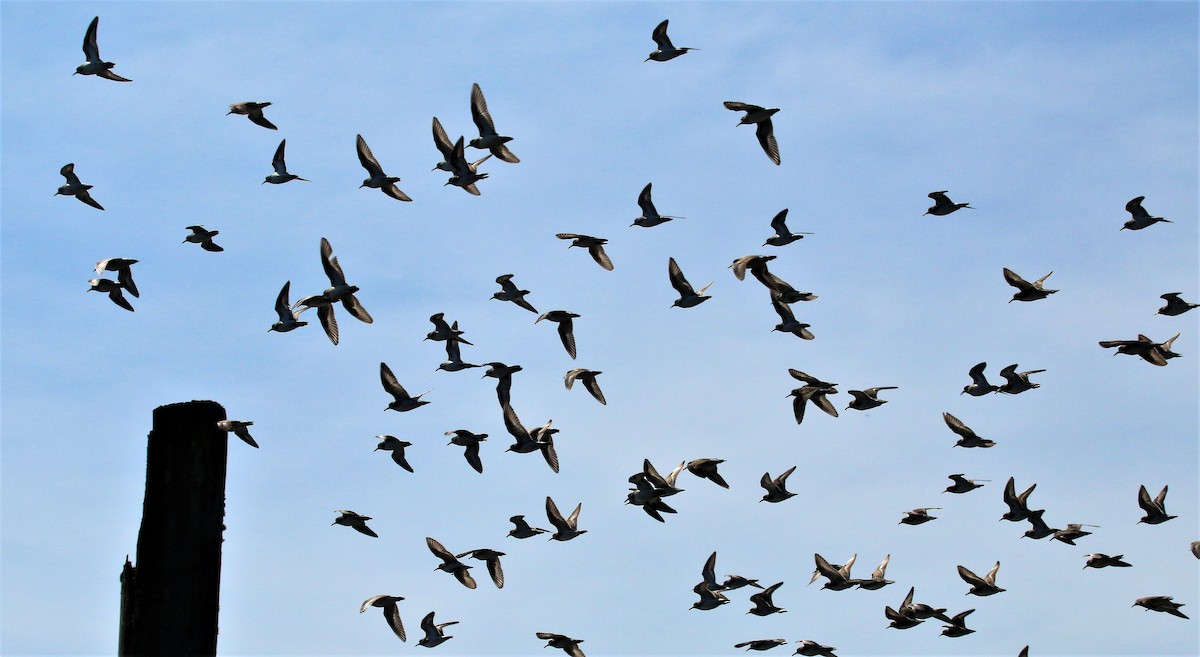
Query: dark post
column 169, row 600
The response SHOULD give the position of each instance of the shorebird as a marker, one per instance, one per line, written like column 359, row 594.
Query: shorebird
column 563, row 642
column 942, row 205
column 94, row 65
column 252, row 110
column 568, row 527
column 238, row 428
column 1101, row 560
column 1156, row 510
column 877, row 579
column 787, row 320
column 124, row 274
column 378, row 179
column 967, row 437
column 707, row 469
column 402, row 400
column 866, row 399
column 981, row 586
column 492, row 558
column 281, row 174
column 503, row 375
column 755, row 263
column 470, row 441
column 113, row 289
column 918, row 516
column 464, row 174
column 1018, row 505
column 338, row 291
column 760, row 644
column 810, row 380
column 352, row 519
column 838, row 576
column 813, row 649
column 450, row 563
column 900, row 621
column 650, row 216
column 510, row 292
column 454, row 361
column 396, row 447
column 958, row 625
column 1071, row 533
column 688, row 297
column 962, row 484
column 435, row 634
column 76, row 188
column 588, row 379
column 815, row 394
column 488, row 139
column 735, row 582
column 566, row 328
column 454, row 160
column 522, row 529
column 647, row 496
column 1161, row 603
column 390, row 611
column 204, row 238
column 442, row 330
column 920, row 611
column 776, row 488
column 979, row 384
column 1175, row 305
column 1139, row 217
column 1150, row 351
column 594, row 246
column 664, row 486
column 1038, row 529
column 288, row 319
column 1017, row 382
column 763, row 605
column 782, row 236
column 1027, row 291
column 710, row 598
column 665, row 50
column 761, row 118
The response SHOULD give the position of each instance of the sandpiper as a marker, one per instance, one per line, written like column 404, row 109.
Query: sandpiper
column 1027, row 291
column 942, row 205
column 1072, row 532
column 588, row 379
column 979, row 384
column 204, row 238
column 239, row 428
column 761, row 118
column 435, row 634
column 760, row 644
column 707, row 469
column 981, row 586
column 666, row 50
column 877, row 579
column 288, row 319
column 378, row 179
column 281, row 174
column 1017, row 382
column 522, row 529
column 962, row 484
column 867, row 399
column 776, row 488
column 402, row 400
column 450, row 563
column 563, row 642
column 566, row 328
column 813, row 649
column 1156, row 510
column 958, row 625
column 782, row 236
column 510, row 292
column 787, row 320
column 1139, row 217
column 1018, row 505
column 1161, row 603
column 650, row 216
column 390, row 611
column 254, row 111
column 113, row 289
column 470, row 441
column 352, row 519
column 488, row 139
column 763, row 605
column 1175, row 305
column 967, row 437
column 76, row 188
column 1101, row 560
column 503, row 375
column 918, row 516
column 688, row 297
column 815, row 394
column 568, row 527
column 124, row 273
column 492, row 558
column 94, row 65
column 594, row 246
column 396, row 447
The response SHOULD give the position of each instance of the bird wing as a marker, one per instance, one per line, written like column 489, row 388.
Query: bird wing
column 282, row 307
column 90, row 49
column 390, row 384
column 367, row 158
column 496, row 571
column 660, row 36
column 779, row 222
column 880, row 570
column 1145, row 502
column 328, row 322
column 555, row 517
column 364, row 529
column 502, row 153
column 109, row 75
column 472, row 455
column 479, row 113
column 1161, row 500
column 1016, row 281
column 977, row 376
column 119, row 299
column 463, row 575
column 645, row 203
column 957, row 426
column 573, row 519
column 990, row 578
column 766, row 138
column 355, row 308
column 84, row 196
column 569, row 379
column 970, row 577
column 780, row 482
column 798, row 404
column 442, row 141
column 330, row 264
column 1038, row 283
column 739, row 106
column 277, row 162
column 782, row 309
column 440, row 551
column 940, row 198
column 598, row 254
column 709, row 572
column 392, row 613
column 68, row 172
column 566, row 332
column 678, row 282
column 822, row 402
column 1134, row 208
column 549, row 454
column 256, row 116
column 593, row 387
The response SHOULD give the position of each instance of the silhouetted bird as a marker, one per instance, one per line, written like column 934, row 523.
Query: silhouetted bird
column 942, row 205
column 76, row 188
column 1175, row 305
column 252, row 110
column 761, row 118
column 390, row 611
column 665, row 50
column 94, row 64
column 1027, row 291
column 1139, row 217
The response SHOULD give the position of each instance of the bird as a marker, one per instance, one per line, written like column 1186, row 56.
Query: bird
column 688, row 297
column 454, row 361
column 588, row 379
column 650, row 216
column 710, row 598
column 813, row 649
column 1101, row 560
column 76, row 188
column 877, row 579
column 760, row 644
column 281, row 174
column 94, row 65
column 763, row 605
column 203, row 237
column 378, row 179
column 866, row 399
column 815, row 394
column 776, row 488
column 443, row 330
column 1161, row 603
column 1148, row 350
column 454, row 160
column 1139, row 217
column 967, row 437
column 981, row 586
column 666, row 50
column 979, row 384
column 510, row 292
column 352, row 519
column 403, row 401
column 396, row 447
column 1071, row 533
column 503, row 375
column 124, row 273
column 1195, row 548
column 1038, row 529
column 1018, row 505
column 566, row 328
column 338, row 291
column 594, row 246
column 782, row 236
column 488, row 139
column 254, row 111
column 1017, row 382
column 238, row 428
column 567, row 528
column 113, row 289
column 1175, row 305
column 288, row 319
column 899, row 620
column 450, row 563
column 470, row 441
column 810, row 380
column 962, row 484
column 918, row 516
column 838, row 576
column 522, row 529
column 1027, row 291
column 563, row 642
column 706, row 468
column 492, row 558
column 390, row 611
column 920, row 611
column 734, row 582
column 958, row 625
column 787, row 320
column 434, row 633
column 761, row 118
column 1156, row 510
column 942, row 205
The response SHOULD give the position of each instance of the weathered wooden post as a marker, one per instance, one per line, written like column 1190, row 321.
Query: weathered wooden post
column 169, row 600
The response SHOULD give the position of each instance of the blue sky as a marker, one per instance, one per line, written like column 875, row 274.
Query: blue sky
column 1046, row 117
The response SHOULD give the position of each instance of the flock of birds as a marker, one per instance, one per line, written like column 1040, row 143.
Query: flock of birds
column 649, row 489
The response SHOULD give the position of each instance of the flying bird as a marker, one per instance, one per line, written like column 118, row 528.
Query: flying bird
column 488, row 139
column 981, row 586
column 1161, row 603
column 396, row 447
column 962, row 484
column 1071, row 533
column 113, row 289
column 124, row 272
column 470, row 441
column 566, row 328
column 707, row 469
column 1101, row 560
column 688, row 297
column 510, row 292
column 594, row 246
column 94, row 65
column 650, row 216
column 1017, row 382
column 1175, row 305
column 464, row 174
column 813, row 649
column 204, row 238
column 402, row 400
column 238, row 428
column 563, row 642
column 1139, row 217
column 868, row 398
column 352, row 519
column 442, row 330
column 288, row 319
column 665, row 50
column 838, row 576
column 763, row 604
column 761, row 118
column 450, row 563
column 1156, row 510
column 435, row 634
column 967, row 437
column 918, row 516
column 588, row 379
column 1027, row 291
column 378, row 179
column 281, row 174
column 958, row 625
column 877, row 579
column 1148, row 350
column 252, row 110
column 942, row 205
column 338, row 291
column 492, row 558
column 503, row 375
column 787, row 320
column 776, row 488
column 567, row 528
column 390, row 611
column 815, row 394
column 782, row 236
column 522, row 529
column 760, row 644
column 454, row 361
column 979, row 384
column 76, row 188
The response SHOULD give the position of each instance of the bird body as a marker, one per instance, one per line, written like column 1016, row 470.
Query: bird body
column 760, row 117
column 94, row 64
column 203, row 237
column 281, row 174
column 1139, row 217
column 378, row 179
column 76, row 188
column 942, row 205
column 1027, row 291
column 254, row 111
column 352, row 519
column 707, row 469
column 402, row 401
column 666, row 50
column 238, row 428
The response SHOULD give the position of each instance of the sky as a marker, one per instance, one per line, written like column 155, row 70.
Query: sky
column 1046, row 117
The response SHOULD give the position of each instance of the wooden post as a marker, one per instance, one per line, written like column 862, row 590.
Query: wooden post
column 170, row 599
